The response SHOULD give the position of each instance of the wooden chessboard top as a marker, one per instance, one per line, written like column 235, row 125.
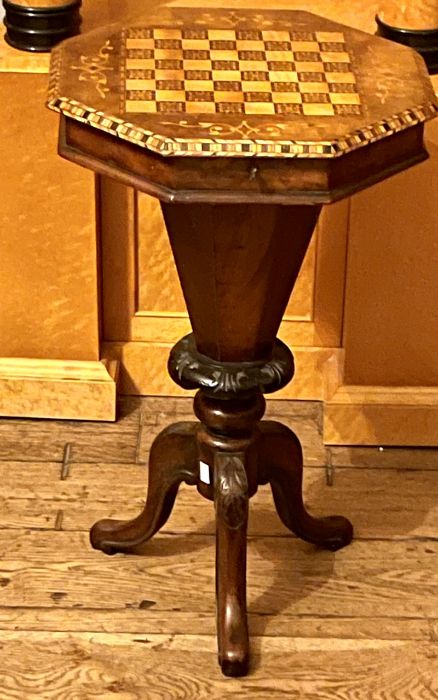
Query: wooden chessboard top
column 227, row 71
column 240, row 83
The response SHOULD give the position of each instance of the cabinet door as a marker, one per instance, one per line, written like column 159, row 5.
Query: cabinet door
column 143, row 308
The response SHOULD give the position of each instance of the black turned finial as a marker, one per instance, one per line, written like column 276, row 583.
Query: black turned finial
column 425, row 41
column 38, row 25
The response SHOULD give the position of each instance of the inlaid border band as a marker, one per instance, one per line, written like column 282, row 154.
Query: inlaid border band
column 246, row 145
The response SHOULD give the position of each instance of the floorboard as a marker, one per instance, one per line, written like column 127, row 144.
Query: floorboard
column 359, row 624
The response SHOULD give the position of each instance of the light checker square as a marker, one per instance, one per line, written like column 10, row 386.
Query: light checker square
column 193, row 70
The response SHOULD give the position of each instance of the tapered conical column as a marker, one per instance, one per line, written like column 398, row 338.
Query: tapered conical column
column 238, row 265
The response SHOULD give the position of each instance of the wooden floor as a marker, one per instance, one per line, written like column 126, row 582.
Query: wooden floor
column 77, row 625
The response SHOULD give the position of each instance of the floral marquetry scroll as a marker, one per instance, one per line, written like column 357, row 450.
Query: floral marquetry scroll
column 94, row 69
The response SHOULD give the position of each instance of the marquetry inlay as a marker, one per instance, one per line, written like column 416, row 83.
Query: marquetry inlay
column 240, row 83
column 194, row 70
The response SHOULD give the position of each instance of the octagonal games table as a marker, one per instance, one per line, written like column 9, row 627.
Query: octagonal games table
column 243, row 123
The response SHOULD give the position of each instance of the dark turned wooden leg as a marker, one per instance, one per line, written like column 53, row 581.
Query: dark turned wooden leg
column 173, row 459
column 281, row 465
column 227, row 442
column 413, row 24
column 231, row 502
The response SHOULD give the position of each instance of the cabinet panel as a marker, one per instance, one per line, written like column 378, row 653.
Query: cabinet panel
column 158, row 288
column 391, row 312
column 48, row 272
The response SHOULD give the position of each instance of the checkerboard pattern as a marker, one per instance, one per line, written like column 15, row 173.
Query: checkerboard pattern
column 243, row 72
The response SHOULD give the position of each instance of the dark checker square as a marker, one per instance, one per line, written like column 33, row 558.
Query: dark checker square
column 310, row 77
column 199, row 96
column 140, row 53
column 288, row 109
column 307, row 56
column 222, row 45
column 225, row 65
column 285, row 87
column 196, row 55
column 249, row 35
column 331, row 46
column 346, row 110
column 315, row 98
column 228, row 85
column 230, row 108
column 140, row 95
column 302, row 36
column 140, row 33
column 337, row 67
column 255, row 75
column 198, row 75
column 171, row 107
column 195, row 33
column 342, row 87
column 277, row 45
column 281, row 65
column 168, row 43
column 170, row 84
column 168, row 64
column 257, row 97
column 134, row 74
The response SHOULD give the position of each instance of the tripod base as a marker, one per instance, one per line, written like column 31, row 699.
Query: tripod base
column 272, row 455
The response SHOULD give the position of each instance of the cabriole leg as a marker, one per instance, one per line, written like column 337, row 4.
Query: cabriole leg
column 173, row 459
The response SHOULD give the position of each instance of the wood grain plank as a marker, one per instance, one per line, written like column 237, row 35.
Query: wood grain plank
column 19, row 513
column 286, row 576
column 90, row 665
column 385, row 458
column 45, row 440
column 145, row 620
column 381, row 504
column 125, row 442
column 305, row 417
column 174, row 406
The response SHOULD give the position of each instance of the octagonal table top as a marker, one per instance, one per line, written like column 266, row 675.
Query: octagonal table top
column 188, row 82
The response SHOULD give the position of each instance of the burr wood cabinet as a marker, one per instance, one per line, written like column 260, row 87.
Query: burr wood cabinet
column 346, row 320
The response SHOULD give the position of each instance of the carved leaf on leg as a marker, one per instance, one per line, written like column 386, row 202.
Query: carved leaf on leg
column 231, row 501
column 231, row 489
